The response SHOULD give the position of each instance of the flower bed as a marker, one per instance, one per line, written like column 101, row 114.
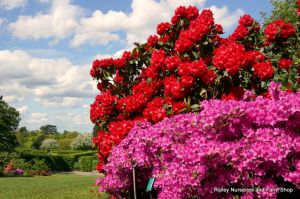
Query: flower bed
column 232, row 144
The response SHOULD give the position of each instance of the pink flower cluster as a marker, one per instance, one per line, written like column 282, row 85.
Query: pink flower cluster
column 242, row 144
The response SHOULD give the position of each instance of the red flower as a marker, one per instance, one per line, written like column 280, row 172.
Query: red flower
column 172, row 62
column 118, row 78
column 178, row 106
column 219, row 29
column 263, row 70
column 152, row 40
column 177, row 91
column 119, row 63
column 93, row 72
column 162, row 28
column 287, row 30
column 100, row 166
column 230, row 56
column 271, row 31
column 246, row 21
column 209, row 77
column 285, row 63
column 278, row 28
column 101, row 86
column 187, row 81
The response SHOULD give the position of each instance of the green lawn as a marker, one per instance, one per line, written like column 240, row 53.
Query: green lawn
column 56, row 186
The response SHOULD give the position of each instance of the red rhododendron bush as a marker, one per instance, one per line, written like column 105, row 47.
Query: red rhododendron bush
column 188, row 62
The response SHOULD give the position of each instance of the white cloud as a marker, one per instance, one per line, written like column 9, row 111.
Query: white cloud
column 99, row 28
column 24, row 75
column 60, row 102
column 38, row 118
column 22, row 110
column 44, row 1
column 12, row 4
column 224, row 17
column 12, row 99
column 63, row 21
column 60, row 22
column 137, row 25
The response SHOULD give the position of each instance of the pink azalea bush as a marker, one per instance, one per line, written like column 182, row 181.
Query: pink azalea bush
column 252, row 143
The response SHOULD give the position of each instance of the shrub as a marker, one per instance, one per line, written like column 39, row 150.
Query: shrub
column 188, row 62
column 83, row 142
column 56, row 160
column 39, row 165
column 5, row 158
column 86, row 163
column 239, row 144
column 65, row 143
column 49, row 143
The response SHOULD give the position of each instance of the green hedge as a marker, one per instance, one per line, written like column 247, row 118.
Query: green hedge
column 55, row 161
column 86, row 163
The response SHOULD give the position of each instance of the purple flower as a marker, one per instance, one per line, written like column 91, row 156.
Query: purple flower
column 19, row 171
column 240, row 143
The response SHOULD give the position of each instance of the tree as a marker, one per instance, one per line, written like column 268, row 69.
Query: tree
column 38, row 141
column 70, row 134
column 49, row 143
column 9, row 122
column 49, row 129
column 23, row 129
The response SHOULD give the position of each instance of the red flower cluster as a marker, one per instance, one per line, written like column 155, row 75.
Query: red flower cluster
column 162, row 28
column 263, row 70
column 298, row 10
column 285, row 63
column 98, row 65
column 230, row 56
column 154, row 111
column 279, row 29
column 152, row 40
column 117, row 131
column 102, row 107
column 247, row 25
column 190, row 13
column 198, row 28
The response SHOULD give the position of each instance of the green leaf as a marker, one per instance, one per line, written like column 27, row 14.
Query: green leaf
column 195, row 54
column 203, row 93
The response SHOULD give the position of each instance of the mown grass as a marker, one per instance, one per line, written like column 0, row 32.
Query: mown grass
column 56, row 186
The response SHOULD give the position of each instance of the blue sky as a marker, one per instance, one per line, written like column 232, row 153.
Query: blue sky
column 47, row 46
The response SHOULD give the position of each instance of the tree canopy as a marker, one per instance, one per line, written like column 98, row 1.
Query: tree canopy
column 9, row 122
column 49, row 129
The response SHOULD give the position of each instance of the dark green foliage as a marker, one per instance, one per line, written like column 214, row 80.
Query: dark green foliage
column 49, row 129
column 39, row 165
column 9, row 122
column 38, row 141
column 69, row 134
column 86, row 163
column 96, row 128
column 23, row 129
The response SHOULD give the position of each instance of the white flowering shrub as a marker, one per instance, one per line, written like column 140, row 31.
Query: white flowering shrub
column 49, row 143
column 82, row 142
